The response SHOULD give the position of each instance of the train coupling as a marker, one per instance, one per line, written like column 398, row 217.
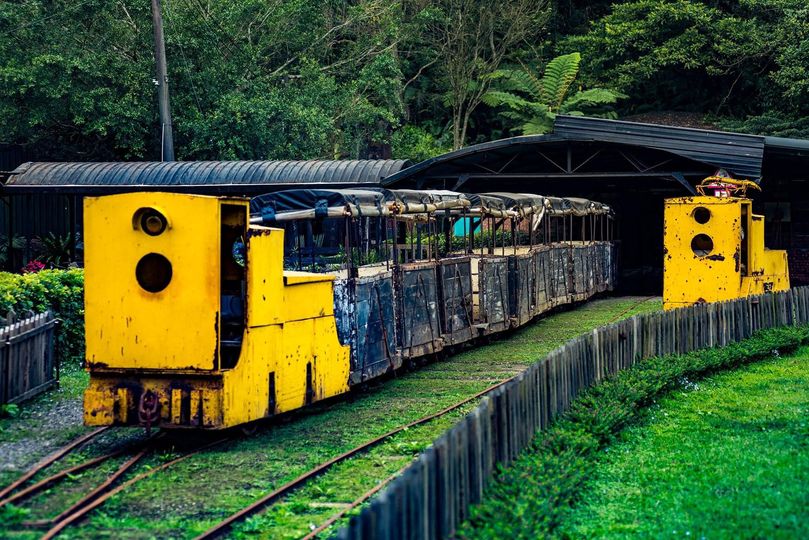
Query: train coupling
column 154, row 402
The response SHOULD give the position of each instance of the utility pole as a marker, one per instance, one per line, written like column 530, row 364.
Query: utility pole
column 167, row 137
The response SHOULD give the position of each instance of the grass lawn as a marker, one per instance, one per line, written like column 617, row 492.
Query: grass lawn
column 727, row 457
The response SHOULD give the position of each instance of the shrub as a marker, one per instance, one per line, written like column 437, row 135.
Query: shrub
column 62, row 292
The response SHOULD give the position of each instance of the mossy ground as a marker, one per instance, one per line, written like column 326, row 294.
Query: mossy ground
column 187, row 498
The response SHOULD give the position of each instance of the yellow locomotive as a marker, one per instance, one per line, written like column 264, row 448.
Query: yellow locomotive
column 199, row 315
column 182, row 341
column 714, row 247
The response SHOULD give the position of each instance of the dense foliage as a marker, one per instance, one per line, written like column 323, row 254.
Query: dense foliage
column 745, row 63
column 268, row 79
column 531, row 497
column 61, row 292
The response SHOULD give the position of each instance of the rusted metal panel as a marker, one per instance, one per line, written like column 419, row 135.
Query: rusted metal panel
column 364, row 312
column 579, row 272
column 455, row 289
column 543, row 283
column 494, row 293
column 419, row 327
column 521, row 288
column 560, row 274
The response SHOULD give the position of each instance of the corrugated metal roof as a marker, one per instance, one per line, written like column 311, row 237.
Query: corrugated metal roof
column 202, row 174
column 738, row 153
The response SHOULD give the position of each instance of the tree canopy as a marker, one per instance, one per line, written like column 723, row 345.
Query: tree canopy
column 299, row 79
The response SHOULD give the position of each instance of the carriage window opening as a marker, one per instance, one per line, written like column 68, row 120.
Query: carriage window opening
column 702, row 245
column 701, row 215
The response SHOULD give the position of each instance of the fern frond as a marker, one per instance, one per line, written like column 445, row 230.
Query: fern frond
column 595, row 97
column 559, row 75
column 497, row 98
column 527, row 83
column 537, row 126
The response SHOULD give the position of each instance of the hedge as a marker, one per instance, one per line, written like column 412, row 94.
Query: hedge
column 530, row 497
column 62, row 292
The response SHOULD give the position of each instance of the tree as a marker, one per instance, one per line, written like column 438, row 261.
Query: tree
column 251, row 79
column 471, row 39
column 534, row 101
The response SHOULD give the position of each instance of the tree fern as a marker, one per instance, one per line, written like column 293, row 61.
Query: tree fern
column 533, row 102
column 559, row 75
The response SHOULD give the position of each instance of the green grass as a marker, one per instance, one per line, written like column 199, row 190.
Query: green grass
column 727, row 461
column 187, row 498
column 727, row 457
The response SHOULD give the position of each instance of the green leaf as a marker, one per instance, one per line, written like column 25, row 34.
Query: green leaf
column 558, row 76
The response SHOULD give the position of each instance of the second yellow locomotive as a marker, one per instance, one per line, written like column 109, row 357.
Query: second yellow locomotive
column 714, row 248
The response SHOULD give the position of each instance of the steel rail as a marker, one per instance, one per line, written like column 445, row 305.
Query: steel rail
column 630, row 308
column 101, row 488
column 58, row 454
column 89, row 506
column 224, row 525
column 42, row 484
column 355, row 503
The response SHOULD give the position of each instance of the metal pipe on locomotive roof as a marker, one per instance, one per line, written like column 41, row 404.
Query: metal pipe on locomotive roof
column 162, row 81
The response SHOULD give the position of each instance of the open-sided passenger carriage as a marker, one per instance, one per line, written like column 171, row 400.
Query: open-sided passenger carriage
column 417, row 271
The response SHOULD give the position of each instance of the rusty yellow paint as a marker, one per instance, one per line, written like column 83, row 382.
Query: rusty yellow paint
column 176, row 406
column 292, row 323
column 714, row 251
column 127, row 326
column 168, row 342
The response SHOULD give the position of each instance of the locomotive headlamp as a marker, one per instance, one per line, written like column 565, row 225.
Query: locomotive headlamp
column 152, row 222
column 153, row 272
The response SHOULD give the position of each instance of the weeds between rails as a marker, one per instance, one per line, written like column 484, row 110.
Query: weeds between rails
column 15, row 492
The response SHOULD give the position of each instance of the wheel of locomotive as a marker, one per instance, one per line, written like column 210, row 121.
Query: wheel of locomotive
column 249, row 429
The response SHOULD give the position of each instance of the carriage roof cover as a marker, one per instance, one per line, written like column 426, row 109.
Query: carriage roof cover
column 376, row 202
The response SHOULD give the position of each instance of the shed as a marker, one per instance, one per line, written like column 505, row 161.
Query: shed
column 45, row 198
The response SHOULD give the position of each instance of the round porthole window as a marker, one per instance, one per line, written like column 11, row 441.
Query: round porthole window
column 702, row 245
column 153, row 272
column 701, row 215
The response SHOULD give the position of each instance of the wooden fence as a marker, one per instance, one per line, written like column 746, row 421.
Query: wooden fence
column 433, row 496
column 27, row 361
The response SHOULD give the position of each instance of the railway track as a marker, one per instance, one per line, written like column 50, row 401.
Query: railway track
column 221, row 528
column 48, row 461
column 225, row 525
column 15, row 492
column 275, row 500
